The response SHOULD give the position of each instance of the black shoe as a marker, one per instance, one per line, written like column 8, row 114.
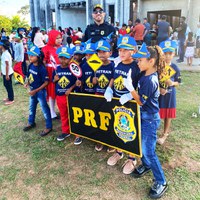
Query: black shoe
column 179, row 61
column 157, row 190
column 140, row 171
column 62, row 136
column 27, row 128
column 55, row 118
column 43, row 133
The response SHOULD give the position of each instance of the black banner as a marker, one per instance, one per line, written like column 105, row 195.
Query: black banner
column 108, row 123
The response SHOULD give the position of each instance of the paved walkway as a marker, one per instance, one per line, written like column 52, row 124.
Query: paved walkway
column 184, row 67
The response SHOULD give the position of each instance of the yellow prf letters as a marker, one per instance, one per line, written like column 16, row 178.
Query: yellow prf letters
column 89, row 117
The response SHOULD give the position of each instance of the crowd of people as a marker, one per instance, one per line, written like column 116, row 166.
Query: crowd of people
column 134, row 59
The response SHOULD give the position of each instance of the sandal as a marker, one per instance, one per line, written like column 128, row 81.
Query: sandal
column 44, row 133
column 162, row 139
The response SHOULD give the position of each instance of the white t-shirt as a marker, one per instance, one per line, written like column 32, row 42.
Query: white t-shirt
column 38, row 40
column 6, row 57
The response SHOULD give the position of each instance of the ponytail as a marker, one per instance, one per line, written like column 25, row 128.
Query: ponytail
column 157, row 53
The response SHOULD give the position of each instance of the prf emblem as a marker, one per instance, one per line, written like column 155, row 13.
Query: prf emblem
column 124, row 126
column 102, row 32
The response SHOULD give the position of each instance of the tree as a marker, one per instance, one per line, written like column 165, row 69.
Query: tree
column 18, row 22
column 25, row 10
column 5, row 23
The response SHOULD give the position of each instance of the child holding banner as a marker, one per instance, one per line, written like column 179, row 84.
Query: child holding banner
column 103, row 75
column 64, row 84
column 37, row 81
column 151, row 62
column 167, row 99
column 7, row 71
column 126, row 47
column 87, row 72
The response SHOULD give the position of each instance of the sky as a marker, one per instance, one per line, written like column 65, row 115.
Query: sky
column 10, row 7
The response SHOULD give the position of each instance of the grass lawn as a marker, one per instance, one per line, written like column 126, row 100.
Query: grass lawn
column 37, row 168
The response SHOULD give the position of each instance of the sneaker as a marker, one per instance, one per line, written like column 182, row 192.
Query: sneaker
column 98, row 147
column 78, row 140
column 29, row 126
column 157, row 190
column 9, row 102
column 110, row 150
column 129, row 166
column 114, row 159
column 140, row 171
column 63, row 136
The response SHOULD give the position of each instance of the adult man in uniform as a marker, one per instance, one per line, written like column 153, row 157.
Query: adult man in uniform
column 100, row 28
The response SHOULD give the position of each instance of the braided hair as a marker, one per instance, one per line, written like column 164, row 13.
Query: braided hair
column 157, row 53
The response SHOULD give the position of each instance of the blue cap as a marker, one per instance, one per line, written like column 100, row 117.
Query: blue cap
column 34, row 51
column 126, row 42
column 78, row 49
column 64, row 51
column 103, row 45
column 89, row 48
column 168, row 46
column 142, row 53
column 21, row 29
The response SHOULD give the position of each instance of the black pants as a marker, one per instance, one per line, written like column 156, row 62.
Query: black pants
column 8, row 85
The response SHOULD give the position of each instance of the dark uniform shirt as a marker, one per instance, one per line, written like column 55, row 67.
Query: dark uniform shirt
column 97, row 32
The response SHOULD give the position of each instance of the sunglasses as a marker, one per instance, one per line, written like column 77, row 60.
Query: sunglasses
column 98, row 11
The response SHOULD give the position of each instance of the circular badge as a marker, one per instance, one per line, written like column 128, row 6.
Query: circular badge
column 75, row 69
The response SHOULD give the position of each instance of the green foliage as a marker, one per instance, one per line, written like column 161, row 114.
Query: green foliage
column 12, row 23
column 25, row 10
column 5, row 22
column 18, row 22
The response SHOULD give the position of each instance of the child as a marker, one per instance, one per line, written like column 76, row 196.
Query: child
column 87, row 72
column 19, row 54
column 64, row 84
column 189, row 52
column 151, row 63
column 167, row 99
column 51, row 62
column 37, row 81
column 104, row 75
column 7, row 71
column 126, row 47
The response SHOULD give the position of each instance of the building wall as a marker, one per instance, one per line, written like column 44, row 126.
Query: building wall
column 74, row 18
column 192, row 13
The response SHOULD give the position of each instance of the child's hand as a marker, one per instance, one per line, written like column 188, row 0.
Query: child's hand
column 78, row 83
column 94, row 80
column 32, row 92
column 163, row 91
column 26, row 85
column 7, row 78
column 169, row 82
column 67, row 92
column 56, row 78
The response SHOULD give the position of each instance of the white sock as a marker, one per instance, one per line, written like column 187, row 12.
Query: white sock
column 52, row 107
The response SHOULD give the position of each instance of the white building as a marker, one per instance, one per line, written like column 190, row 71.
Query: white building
column 76, row 13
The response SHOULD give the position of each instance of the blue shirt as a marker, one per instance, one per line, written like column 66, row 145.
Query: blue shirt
column 36, row 75
column 148, row 90
column 66, row 80
column 121, row 72
column 87, row 74
column 104, row 75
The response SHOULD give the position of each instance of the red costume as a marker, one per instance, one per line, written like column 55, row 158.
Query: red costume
column 51, row 59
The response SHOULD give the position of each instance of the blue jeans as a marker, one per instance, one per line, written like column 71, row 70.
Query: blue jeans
column 149, row 126
column 33, row 101
column 181, row 49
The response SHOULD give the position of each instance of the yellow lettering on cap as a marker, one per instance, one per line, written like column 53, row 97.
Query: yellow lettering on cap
column 104, row 120
column 89, row 118
column 77, row 114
